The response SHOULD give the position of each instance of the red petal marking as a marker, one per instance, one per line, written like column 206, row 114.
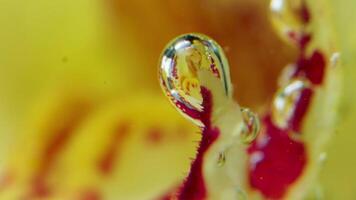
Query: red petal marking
column 304, row 41
column 40, row 187
column 194, row 186
column 61, row 136
column 305, row 14
column 281, row 160
column 6, row 179
column 292, row 35
column 276, row 161
column 302, row 105
column 312, row 68
column 154, row 135
column 90, row 195
column 106, row 163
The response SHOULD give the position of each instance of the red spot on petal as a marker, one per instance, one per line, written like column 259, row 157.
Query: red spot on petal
column 40, row 188
column 91, row 195
column 302, row 105
column 61, row 136
column 312, row 68
column 304, row 40
column 154, row 135
column 301, row 39
column 305, row 14
column 6, row 179
column 107, row 162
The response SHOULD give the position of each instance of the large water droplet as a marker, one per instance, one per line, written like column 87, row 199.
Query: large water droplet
column 289, row 18
column 286, row 100
column 251, row 126
column 181, row 65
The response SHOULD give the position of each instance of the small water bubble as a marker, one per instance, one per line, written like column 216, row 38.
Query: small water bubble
column 334, row 59
column 221, row 159
column 256, row 158
column 286, row 75
column 322, row 157
column 285, row 101
column 251, row 126
column 289, row 17
column 180, row 69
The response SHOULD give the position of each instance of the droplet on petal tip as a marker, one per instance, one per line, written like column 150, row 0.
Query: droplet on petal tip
column 181, row 62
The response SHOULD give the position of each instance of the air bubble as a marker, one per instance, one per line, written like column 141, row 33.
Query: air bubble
column 322, row 158
column 182, row 64
column 286, row 100
column 251, row 126
column 334, row 59
column 287, row 74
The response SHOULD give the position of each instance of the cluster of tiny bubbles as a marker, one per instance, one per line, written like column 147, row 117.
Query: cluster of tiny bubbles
column 285, row 101
column 251, row 126
column 179, row 72
column 286, row 16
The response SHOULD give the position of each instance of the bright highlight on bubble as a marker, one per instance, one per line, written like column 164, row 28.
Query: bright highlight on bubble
column 284, row 104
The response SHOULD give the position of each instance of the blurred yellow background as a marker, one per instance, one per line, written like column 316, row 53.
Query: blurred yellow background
column 74, row 73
